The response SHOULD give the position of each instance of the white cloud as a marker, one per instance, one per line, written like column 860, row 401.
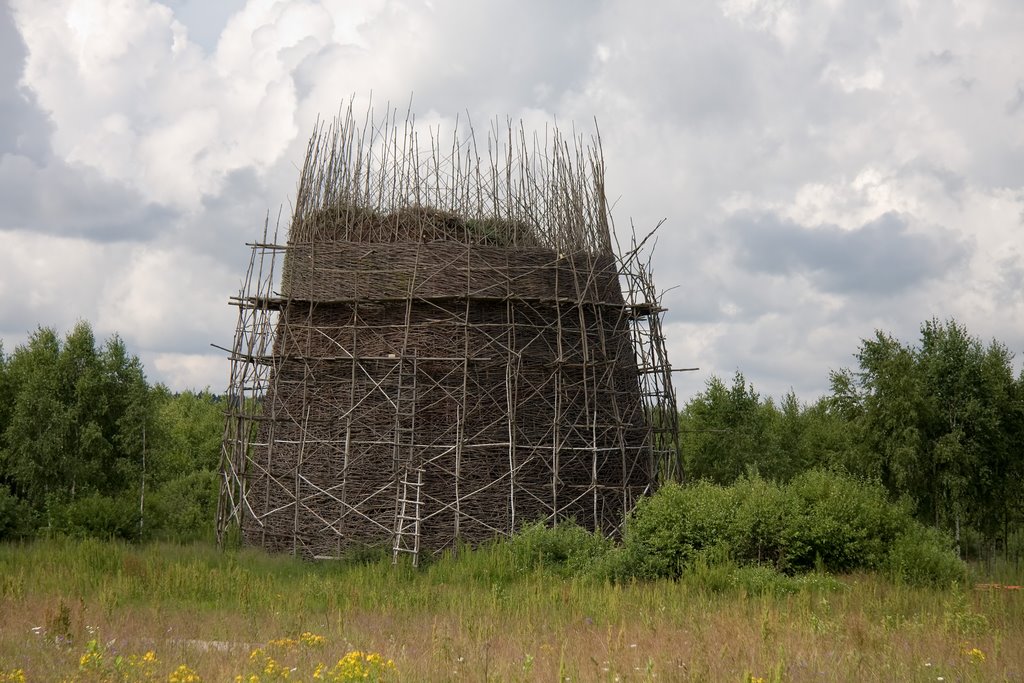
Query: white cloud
column 169, row 299
column 132, row 97
column 50, row 281
column 827, row 115
column 189, row 370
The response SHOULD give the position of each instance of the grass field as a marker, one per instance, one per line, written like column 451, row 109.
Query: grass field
column 70, row 609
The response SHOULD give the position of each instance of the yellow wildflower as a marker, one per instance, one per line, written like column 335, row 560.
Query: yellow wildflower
column 975, row 655
column 183, row 674
column 312, row 640
column 284, row 643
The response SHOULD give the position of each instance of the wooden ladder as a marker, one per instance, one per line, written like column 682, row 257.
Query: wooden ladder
column 410, row 473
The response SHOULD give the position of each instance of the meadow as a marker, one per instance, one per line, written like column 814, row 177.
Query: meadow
column 810, row 542
column 89, row 610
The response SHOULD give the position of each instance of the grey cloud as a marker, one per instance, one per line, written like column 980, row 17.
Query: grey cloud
column 1000, row 165
column 698, row 301
column 74, row 202
column 688, row 66
column 953, row 184
column 309, row 71
column 938, row 59
column 964, row 83
column 881, row 257
column 1011, row 275
column 25, row 130
column 41, row 193
column 231, row 218
column 1016, row 102
column 695, row 108
column 858, row 27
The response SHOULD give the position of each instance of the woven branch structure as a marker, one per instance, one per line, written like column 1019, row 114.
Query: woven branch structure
column 445, row 348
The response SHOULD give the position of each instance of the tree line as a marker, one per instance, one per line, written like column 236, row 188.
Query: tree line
column 939, row 423
column 89, row 447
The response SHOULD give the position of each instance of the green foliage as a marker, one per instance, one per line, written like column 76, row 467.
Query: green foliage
column 713, row 571
column 724, row 432
column 181, row 463
column 98, row 516
column 666, row 530
column 186, row 434
column 841, row 522
column 87, row 447
column 16, row 519
column 566, row 548
column 820, row 520
column 76, row 418
column 33, row 439
column 84, row 442
column 6, row 400
column 728, row 432
column 762, row 580
column 569, row 551
column 941, row 423
column 922, row 556
column 762, row 512
column 183, row 508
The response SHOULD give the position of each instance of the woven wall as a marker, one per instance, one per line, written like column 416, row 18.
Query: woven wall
column 507, row 377
column 442, row 351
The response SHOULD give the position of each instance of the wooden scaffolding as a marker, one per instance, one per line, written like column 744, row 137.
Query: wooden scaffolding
column 444, row 349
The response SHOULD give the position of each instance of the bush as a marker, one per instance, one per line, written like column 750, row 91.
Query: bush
column 759, row 530
column 16, row 517
column 183, row 509
column 820, row 520
column 99, row 516
column 842, row 523
column 666, row 531
column 1015, row 546
column 761, row 580
column 565, row 548
column 924, row 557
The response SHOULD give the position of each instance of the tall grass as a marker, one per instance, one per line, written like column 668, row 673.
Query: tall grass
column 494, row 613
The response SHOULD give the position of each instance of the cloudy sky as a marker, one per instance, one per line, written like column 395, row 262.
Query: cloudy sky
column 826, row 167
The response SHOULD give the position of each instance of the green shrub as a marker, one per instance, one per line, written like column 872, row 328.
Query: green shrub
column 1015, row 546
column 714, row 571
column 565, row 548
column 819, row 521
column 183, row 509
column 666, row 531
column 759, row 528
column 615, row 566
column 762, row 580
column 923, row 556
column 842, row 523
column 99, row 516
column 16, row 517
column 711, row 570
